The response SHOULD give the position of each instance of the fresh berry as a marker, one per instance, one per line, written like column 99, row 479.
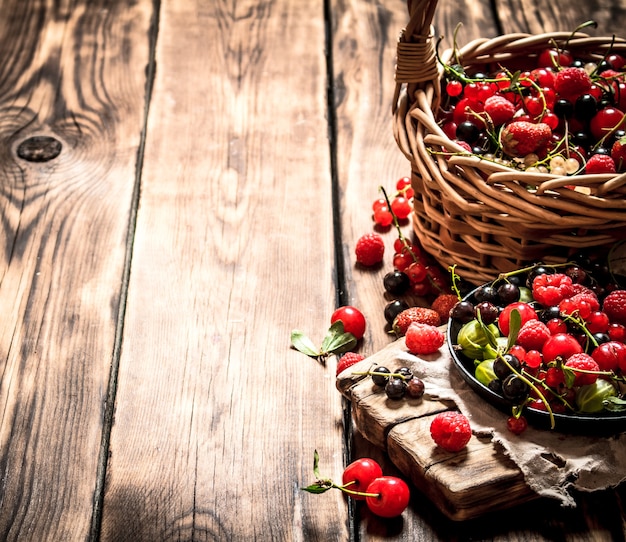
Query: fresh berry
column 396, row 282
column 561, row 345
column 600, row 163
column 394, row 308
column 610, row 356
column 359, row 474
column 401, row 207
column 526, row 313
column 584, row 367
column 583, row 304
column 420, row 315
column 516, row 424
column 533, row 335
column 451, row 430
column 415, row 388
column 423, row 339
column 614, row 306
column 388, row 496
column 370, row 249
column 443, row 304
column 572, row 82
column 520, row 138
column 499, row 109
column 551, row 289
column 348, row 360
column 352, row 319
column 618, row 153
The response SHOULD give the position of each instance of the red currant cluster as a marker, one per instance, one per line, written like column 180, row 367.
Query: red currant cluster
column 562, row 115
column 400, row 206
column 564, row 349
column 363, row 480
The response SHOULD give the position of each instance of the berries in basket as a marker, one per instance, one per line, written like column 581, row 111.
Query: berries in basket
column 516, row 145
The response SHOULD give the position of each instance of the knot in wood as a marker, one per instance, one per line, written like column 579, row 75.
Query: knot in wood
column 39, row 149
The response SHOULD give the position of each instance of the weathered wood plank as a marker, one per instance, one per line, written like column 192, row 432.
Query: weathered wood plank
column 217, row 419
column 75, row 73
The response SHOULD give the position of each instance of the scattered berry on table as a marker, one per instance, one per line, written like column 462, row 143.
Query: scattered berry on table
column 394, row 308
column 420, row 315
column 352, row 319
column 451, row 430
column 389, row 496
column 359, row 474
column 370, row 249
column 423, row 339
column 348, row 360
column 517, row 424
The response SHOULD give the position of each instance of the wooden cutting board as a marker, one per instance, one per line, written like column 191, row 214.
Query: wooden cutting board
column 462, row 485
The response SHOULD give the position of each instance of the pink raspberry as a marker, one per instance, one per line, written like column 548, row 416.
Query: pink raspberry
column 615, row 306
column 348, row 360
column 583, row 304
column 550, row 289
column 421, row 339
column 600, row 163
column 499, row 109
column 586, row 363
column 533, row 335
column 369, row 249
column 571, row 82
column 450, row 430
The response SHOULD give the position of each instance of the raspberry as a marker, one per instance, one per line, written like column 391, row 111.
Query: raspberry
column 443, row 304
column 572, row 82
column 420, row 315
column 615, row 306
column 369, row 249
column 584, row 304
column 533, row 335
column 586, row 363
column 550, row 290
column 348, row 360
column 451, row 430
column 499, row 109
column 600, row 163
column 423, row 339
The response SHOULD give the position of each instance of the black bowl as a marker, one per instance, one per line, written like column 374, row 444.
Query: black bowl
column 604, row 423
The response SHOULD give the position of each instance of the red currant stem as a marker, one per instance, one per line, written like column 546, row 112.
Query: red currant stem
column 376, row 373
column 454, row 278
column 397, row 225
column 575, row 317
column 532, row 386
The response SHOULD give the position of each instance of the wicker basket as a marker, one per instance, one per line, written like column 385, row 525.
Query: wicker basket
column 482, row 216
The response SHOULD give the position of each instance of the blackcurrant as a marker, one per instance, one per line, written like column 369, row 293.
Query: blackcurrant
column 381, row 379
column 502, row 366
column 394, row 308
column 395, row 388
column 415, row 388
column 467, row 131
column 488, row 312
column 508, row 293
column 486, row 293
column 585, row 107
column 563, row 109
column 514, row 388
column 462, row 312
column 549, row 313
column 396, row 282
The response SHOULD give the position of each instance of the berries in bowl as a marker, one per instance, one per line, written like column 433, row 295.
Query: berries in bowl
column 546, row 345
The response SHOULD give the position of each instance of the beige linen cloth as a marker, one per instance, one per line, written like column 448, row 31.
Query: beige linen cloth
column 552, row 462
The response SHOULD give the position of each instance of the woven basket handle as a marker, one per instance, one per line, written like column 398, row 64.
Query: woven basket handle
column 416, row 60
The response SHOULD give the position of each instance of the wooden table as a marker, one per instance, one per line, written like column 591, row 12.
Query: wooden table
column 217, row 164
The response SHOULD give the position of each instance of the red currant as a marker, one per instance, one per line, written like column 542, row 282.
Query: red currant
column 617, row 332
column 533, row 359
column 597, row 322
column 417, row 272
column 352, row 319
column 382, row 216
column 454, row 88
column 556, row 325
column 389, row 496
column 359, row 474
column 516, row 425
column 380, row 202
column 401, row 207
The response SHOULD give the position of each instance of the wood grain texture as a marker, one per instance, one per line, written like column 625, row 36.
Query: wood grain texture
column 217, row 419
column 75, row 73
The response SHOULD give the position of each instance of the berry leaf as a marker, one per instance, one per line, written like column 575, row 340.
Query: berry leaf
column 515, row 323
column 614, row 404
column 303, row 344
column 337, row 340
column 317, row 487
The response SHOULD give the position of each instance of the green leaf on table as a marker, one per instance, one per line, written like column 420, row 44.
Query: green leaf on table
column 303, row 344
column 316, row 488
column 337, row 340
